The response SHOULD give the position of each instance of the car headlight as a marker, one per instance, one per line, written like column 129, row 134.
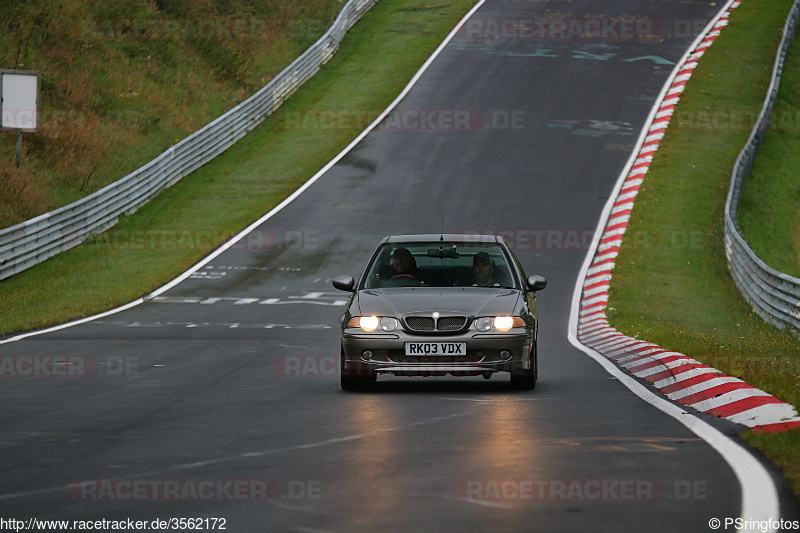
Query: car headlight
column 373, row 323
column 500, row 323
column 484, row 323
column 388, row 323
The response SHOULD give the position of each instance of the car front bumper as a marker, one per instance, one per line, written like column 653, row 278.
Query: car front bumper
column 365, row 354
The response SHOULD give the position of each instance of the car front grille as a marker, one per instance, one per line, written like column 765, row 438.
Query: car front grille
column 427, row 323
column 451, row 323
column 421, row 323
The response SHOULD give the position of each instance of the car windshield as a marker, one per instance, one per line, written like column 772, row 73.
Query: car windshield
column 440, row 264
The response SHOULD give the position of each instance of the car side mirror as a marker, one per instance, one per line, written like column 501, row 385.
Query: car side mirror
column 536, row 283
column 344, row 283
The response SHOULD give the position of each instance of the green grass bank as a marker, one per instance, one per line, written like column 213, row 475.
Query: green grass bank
column 673, row 287
column 123, row 81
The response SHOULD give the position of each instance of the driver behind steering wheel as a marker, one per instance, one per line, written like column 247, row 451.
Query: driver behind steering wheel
column 403, row 270
column 403, row 264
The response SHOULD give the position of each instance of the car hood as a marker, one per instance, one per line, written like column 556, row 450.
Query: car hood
column 468, row 301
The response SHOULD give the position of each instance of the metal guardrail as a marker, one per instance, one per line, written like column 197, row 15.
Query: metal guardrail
column 31, row 242
column 774, row 296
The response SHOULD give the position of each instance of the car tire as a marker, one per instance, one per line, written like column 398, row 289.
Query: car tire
column 526, row 379
column 350, row 382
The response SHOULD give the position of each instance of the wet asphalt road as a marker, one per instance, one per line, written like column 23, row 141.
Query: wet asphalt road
column 226, row 385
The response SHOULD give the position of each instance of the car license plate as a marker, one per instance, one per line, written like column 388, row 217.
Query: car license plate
column 436, row 348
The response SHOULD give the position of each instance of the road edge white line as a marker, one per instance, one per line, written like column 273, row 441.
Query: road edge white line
column 760, row 500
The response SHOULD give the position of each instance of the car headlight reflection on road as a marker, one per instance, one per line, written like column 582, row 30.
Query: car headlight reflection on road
column 372, row 323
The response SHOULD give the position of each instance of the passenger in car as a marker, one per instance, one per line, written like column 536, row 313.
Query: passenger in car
column 483, row 270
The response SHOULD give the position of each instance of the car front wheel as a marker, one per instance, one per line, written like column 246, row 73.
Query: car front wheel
column 525, row 379
column 354, row 379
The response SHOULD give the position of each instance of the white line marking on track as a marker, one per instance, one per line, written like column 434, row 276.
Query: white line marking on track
column 759, row 494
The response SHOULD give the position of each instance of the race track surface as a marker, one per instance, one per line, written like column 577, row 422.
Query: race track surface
column 227, row 384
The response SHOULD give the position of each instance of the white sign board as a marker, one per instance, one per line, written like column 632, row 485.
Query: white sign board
column 19, row 90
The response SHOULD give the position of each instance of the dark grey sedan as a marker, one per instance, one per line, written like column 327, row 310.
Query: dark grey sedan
column 433, row 305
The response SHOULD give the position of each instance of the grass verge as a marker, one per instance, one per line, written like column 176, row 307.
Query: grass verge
column 671, row 282
column 185, row 222
column 123, row 81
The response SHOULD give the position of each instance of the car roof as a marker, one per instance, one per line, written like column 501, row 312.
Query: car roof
column 444, row 237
